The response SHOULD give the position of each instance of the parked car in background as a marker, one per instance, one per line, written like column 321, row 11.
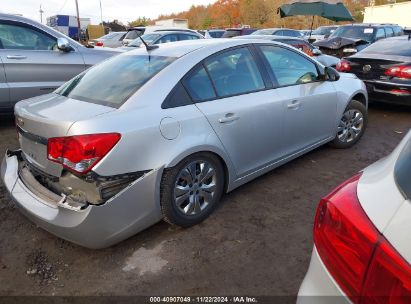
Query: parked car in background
column 234, row 32
column 212, row 33
column 37, row 59
column 300, row 44
column 188, row 111
column 385, row 67
column 160, row 37
column 350, row 39
column 321, row 33
column 362, row 244
column 279, row 32
column 133, row 33
column 112, row 40
column 305, row 33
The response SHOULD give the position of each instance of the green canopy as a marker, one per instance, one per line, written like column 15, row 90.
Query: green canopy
column 333, row 10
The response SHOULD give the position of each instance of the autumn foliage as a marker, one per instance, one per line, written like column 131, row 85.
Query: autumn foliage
column 255, row 13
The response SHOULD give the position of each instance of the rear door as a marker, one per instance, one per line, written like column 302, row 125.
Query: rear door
column 4, row 90
column 33, row 64
column 245, row 113
column 309, row 104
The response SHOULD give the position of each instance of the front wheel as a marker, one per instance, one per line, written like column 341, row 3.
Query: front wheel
column 191, row 190
column 351, row 126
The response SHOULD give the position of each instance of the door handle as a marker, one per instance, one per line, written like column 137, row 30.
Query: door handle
column 18, row 57
column 229, row 117
column 295, row 104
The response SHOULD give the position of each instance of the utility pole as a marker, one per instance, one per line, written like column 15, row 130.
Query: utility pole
column 101, row 15
column 41, row 14
column 78, row 21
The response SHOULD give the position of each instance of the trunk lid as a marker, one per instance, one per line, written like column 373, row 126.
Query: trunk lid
column 369, row 68
column 47, row 116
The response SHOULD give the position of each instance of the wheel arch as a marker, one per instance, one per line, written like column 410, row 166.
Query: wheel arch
column 360, row 96
column 229, row 171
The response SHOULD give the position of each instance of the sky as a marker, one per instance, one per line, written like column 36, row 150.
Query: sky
column 123, row 10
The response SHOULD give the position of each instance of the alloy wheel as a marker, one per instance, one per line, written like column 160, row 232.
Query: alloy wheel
column 195, row 187
column 350, row 126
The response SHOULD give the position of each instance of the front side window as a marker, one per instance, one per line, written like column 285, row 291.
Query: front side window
column 112, row 82
column 234, row 72
column 19, row 37
column 288, row 67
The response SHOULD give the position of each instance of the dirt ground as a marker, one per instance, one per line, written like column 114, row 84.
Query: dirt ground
column 258, row 242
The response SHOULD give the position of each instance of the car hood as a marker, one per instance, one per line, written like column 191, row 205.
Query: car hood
column 339, row 42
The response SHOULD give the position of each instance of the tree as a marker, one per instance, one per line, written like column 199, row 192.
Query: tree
column 140, row 21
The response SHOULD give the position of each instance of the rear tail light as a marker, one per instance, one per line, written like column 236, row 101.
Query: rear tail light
column 399, row 71
column 99, row 43
column 343, row 66
column 363, row 263
column 82, row 152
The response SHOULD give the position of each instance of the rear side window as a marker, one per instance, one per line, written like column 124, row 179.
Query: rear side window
column 288, row 67
column 234, row 72
column 380, row 34
column 112, row 82
column 199, row 85
column 187, row 37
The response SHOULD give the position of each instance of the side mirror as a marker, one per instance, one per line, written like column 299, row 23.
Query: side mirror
column 331, row 74
column 63, row 45
column 317, row 52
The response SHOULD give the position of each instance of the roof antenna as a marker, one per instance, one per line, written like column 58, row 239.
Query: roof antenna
column 148, row 47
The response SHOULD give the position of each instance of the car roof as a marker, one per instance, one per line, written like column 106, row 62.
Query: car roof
column 269, row 37
column 181, row 48
column 369, row 24
column 166, row 32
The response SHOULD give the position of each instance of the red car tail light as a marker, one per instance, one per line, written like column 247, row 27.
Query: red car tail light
column 82, row 152
column 399, row 71
column 343, row 66
column 344, row 237
column 362, row 262
column 99, row 43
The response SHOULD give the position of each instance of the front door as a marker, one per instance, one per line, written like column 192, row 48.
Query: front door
column 33, row 64
column 310, row 104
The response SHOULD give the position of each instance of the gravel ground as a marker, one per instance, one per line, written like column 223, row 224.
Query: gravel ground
column 258, row 242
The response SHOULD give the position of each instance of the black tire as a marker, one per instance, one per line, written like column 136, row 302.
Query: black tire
column 354, row 105
column 172, row 214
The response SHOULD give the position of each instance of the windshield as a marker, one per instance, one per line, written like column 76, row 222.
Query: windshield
column 148, row 38
column 231, row 33
column 323, row 31
column 216, row 34
column 395, row 47
column 112, row 82
column 354, row 32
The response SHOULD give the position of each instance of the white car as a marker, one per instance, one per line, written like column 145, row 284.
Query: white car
column 362, row 239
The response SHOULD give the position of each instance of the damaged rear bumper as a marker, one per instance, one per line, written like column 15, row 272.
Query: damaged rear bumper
column 95, row 226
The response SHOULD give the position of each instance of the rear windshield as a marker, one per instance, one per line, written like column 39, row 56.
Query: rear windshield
column 112, row 82
column 402, row 171
column 216, row 34
column 354, row 32
column 148, row 38
column 133, row 34
column 264, row 32
column 396, row 47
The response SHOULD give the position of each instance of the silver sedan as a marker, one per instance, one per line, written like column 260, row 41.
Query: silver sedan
column 163, row 133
